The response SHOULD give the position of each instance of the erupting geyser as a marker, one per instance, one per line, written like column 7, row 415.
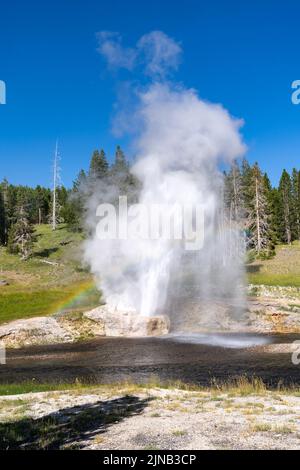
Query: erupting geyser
column 181, row 142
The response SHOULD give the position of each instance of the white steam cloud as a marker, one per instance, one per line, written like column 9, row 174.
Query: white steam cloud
column 117, row 56
column 180, row 143
column 156, row 52
column 160, row 52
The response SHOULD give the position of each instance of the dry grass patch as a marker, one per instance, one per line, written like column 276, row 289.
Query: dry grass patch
column 177, row 407
column 284, row 429
column 254, row 404
column 260, row 427
column 252, row 411
column 179, row 433
column 98, row 440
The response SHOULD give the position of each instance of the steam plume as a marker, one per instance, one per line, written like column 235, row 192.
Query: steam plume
column 180, row 143
column 156, row 52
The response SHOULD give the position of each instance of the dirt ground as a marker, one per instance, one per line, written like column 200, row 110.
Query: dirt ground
column 152, row 419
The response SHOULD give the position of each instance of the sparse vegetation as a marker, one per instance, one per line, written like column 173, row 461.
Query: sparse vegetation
column 261, row 427
column 239, row 387
column 277, row 429
column 101, row 414
column 284, row 429
column 67, row 427
column 179, row 433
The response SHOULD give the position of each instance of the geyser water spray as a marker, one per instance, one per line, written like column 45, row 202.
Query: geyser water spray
column 180, row 144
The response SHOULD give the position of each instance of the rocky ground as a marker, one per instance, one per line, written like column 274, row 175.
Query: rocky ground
column 68, row 328
column 274, row 309
column 154, row 418
column 268, row 309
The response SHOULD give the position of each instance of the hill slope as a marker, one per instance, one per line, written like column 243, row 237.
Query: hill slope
column 53, row 279
column 282, row 270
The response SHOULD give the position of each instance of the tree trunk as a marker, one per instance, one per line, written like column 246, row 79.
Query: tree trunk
column 257, row 216
column 287, row 220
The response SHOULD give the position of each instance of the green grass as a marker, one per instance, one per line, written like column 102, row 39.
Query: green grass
column 17, row 305
column 34, row 387
column 241, row 386
column 281, row 270
column 37, row 288
column 60, row 246
column 270, row 279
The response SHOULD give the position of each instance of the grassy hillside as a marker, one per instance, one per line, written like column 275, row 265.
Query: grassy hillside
column 282, row 270
column 37, row 287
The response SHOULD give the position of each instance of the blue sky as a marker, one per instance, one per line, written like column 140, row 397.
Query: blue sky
column 243, row 54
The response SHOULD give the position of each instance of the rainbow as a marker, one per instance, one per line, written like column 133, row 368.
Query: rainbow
column 76, row 298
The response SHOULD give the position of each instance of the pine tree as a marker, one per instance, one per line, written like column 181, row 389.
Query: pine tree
column 7, row 210
column 13, row 197
column 120, row 160
column 42, row 204
column 233, row 194
column 246, row 182
column 98, row 166
column 20, row 237
column 271, row 211
column 4, row 212
column 120, row 167
column 285, row 207
column 62, row 196
column 122, row 178
column 2, row 218
column 80, row 181
column 296, row 203
column 73, row 211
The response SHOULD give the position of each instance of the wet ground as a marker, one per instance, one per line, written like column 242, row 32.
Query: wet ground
column 191, row 358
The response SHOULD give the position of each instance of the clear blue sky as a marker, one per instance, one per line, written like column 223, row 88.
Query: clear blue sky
column 244, row 54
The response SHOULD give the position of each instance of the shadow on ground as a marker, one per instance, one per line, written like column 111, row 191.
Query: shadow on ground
column 71, row 428
column 253, row 268
column 46, row 252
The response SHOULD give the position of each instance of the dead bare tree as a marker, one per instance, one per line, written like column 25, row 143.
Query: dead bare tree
column 258, row 217
column 54, row 219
